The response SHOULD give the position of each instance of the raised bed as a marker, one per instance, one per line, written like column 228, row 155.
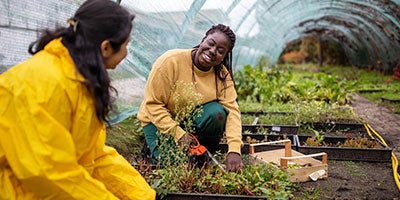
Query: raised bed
column 279, row 129
column 344, row 153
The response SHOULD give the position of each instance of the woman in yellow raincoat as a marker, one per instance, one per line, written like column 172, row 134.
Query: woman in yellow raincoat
column 53, row 113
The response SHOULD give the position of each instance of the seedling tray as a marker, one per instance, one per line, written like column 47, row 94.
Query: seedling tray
column 279, row 129
column 344, row 153
column 266, row 112
column 345, row 128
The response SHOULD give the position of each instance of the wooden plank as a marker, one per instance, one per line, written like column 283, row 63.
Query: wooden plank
column 303, row 174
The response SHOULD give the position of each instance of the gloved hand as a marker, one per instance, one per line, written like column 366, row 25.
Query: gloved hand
column 186, row 141
column 233, row 162
column 192, row 144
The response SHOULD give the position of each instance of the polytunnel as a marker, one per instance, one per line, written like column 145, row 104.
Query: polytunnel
column 368, row 31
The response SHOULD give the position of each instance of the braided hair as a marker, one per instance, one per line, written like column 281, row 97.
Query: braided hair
column 227, row 61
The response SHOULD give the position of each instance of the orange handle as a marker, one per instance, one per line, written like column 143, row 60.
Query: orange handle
column 198, row 149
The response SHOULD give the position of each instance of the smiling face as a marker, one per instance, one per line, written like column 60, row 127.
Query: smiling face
column 212, row 50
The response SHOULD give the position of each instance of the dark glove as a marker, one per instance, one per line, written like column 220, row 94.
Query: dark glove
column 186, row 141
column 192, row 144
column 233, row 162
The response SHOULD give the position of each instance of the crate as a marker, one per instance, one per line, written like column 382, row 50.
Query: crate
column 300, row 167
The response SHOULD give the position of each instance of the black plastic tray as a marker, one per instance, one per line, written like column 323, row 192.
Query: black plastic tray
column 223, row 147
column 266, row 112
column 194, row 196
column 279, row 129
column 344, row 153
column 351, row 128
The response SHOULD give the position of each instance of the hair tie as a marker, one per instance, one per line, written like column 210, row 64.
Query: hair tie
column 73, row 23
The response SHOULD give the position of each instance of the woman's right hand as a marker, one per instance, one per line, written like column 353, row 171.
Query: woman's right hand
column 187, row 140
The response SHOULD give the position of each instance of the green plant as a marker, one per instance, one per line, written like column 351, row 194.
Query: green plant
column 310, row 193
column 280, row 84
column 251, row 140
column 187, row 105
column 248, row 106
column 315, row 140
column 354, row 169
column 270, row 119
column 360, row 142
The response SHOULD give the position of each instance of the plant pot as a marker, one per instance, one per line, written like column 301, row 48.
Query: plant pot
column 344, row 153
column 194, row 196
column 280, row 129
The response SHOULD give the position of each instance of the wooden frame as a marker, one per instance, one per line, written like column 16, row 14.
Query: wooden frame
column 307, row 168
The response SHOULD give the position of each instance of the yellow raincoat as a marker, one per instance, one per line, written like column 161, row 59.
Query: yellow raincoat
column 52, row 146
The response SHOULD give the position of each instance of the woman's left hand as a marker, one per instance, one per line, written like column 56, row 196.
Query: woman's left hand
column 233, row 162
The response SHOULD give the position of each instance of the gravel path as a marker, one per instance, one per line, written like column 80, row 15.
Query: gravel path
column 380, row 119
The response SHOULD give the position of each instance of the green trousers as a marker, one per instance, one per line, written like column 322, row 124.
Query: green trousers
column 209, row 128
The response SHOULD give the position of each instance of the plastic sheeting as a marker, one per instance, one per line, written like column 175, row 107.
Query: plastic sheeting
column 367, row 30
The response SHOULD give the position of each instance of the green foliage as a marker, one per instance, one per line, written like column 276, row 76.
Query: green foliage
column 309, row 193
column 265, row 180
column 187, row 105
column 259, row 84
column 379, row 84
column 320, row 111
column 279, row 84
column 361, row 142
column 246, row 106
column 270, row 119
column 316, row 140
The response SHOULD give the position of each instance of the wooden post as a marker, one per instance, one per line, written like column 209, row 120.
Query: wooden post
column 288, row 149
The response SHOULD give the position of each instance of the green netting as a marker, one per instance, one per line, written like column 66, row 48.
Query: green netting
column 368, row 32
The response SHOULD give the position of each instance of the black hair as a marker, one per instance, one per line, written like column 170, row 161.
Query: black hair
column 227, row 61
column 94, row 22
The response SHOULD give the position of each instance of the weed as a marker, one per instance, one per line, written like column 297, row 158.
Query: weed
column 353, row 168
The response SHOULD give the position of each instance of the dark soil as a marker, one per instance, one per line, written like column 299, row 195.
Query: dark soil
column 361, row 180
